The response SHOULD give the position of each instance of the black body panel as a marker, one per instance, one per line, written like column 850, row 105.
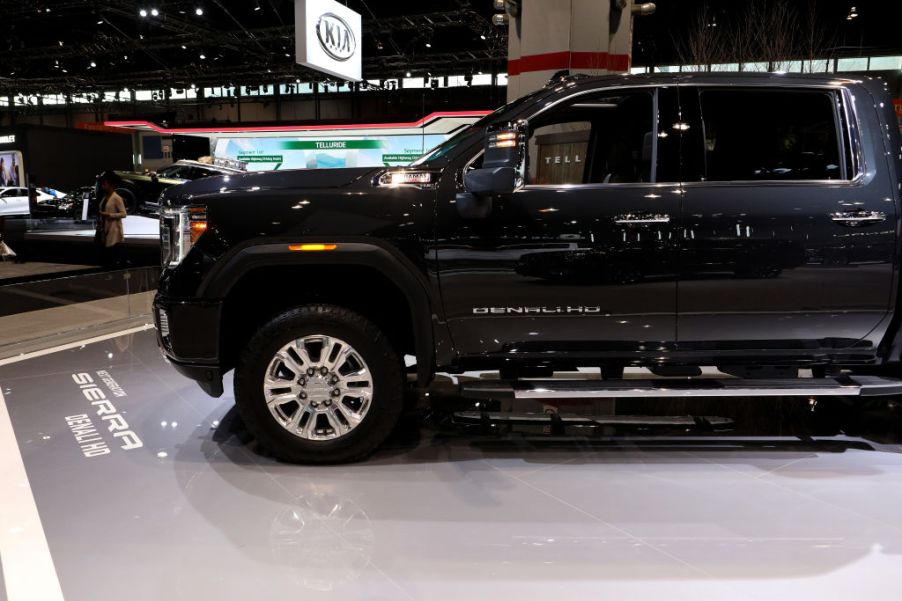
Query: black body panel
column 641, row 265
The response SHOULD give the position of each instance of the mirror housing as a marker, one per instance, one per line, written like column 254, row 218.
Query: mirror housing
column 491, row 180
column 503, row 162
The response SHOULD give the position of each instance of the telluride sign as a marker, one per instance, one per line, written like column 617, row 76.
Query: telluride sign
column 327, row 35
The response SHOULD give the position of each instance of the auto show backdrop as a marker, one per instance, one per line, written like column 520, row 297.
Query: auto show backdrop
column 63, row 158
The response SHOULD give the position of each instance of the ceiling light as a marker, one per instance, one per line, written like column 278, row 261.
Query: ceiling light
column 93, row 64
column 193, row 87
column 257, row 7
column 154, row 12
column 428, row 45
column 184, row 47
column 100, row 22
column 199, row 11
column 142, row 12
column 408, row 74
column 202, row 56
column 482, row 37
column 125, row 57
column 60, row 42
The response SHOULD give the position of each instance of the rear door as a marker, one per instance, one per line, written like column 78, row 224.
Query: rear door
column 787, row 233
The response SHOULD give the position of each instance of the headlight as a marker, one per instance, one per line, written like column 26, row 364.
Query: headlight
column 179, row 230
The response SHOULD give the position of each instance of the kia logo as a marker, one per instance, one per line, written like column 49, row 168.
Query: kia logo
column 335, row 37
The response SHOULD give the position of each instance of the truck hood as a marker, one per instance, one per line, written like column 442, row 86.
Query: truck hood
column 203, row 190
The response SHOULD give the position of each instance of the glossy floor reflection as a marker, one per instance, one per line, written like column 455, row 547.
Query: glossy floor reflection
column 197, row 513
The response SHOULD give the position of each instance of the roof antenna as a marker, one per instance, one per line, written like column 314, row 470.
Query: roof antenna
column 559, row 76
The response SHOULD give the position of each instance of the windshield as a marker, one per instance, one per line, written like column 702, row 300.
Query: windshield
column 171, row 171
column 472, row 131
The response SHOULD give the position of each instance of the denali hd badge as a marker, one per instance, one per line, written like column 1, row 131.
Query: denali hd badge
column 335, row 37
column 568, row 310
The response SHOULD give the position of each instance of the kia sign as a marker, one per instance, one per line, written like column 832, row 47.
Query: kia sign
column 328, row 38
column 335, row 37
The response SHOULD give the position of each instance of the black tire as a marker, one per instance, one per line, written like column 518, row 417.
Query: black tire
column 384, row 365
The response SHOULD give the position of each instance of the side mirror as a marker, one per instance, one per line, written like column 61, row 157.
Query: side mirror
column 491, row 180
column 503, row 163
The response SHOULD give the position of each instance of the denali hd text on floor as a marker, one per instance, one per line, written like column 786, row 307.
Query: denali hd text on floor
column 748, row 222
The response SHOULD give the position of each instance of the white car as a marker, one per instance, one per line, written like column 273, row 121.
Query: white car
column 14, row 201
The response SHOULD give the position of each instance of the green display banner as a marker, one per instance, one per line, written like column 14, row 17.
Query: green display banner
column 329, row 144
column 400, row 158
column 260, row 158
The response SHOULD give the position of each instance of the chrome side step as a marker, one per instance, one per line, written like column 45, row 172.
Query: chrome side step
column 476, row 418
column 686, row 387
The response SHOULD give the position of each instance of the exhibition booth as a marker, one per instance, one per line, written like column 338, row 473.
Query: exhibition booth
column 439, row 300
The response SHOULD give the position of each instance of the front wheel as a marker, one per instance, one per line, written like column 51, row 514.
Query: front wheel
column 319, row 384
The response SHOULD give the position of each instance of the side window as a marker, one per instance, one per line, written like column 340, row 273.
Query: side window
column 594, row 139
column 770, row 135
column 10, row 192
column 170, row 172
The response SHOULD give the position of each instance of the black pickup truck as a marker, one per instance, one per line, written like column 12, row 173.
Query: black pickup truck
column 745, row 222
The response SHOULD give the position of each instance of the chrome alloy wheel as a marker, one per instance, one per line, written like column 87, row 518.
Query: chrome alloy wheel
column 318, row 387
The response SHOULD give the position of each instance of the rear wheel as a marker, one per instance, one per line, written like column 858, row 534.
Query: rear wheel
column 319, row 384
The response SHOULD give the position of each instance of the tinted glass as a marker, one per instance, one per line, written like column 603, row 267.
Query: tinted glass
column 769, row 135
column 173, row 171
column 594, row 139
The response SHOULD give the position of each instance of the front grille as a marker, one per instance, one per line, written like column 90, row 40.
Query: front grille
column 164, row 323
column 167, row 236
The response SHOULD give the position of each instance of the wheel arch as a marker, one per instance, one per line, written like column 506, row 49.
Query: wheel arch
column 409, row 283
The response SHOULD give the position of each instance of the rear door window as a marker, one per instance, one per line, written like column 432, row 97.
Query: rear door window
column 770, row 135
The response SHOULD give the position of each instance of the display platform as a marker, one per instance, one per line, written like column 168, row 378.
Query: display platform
column 147, row 489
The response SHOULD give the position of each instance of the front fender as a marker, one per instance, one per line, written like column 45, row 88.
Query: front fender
column 229, row 270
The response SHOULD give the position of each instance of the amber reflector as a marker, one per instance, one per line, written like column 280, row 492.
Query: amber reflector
column 312, row 246
column 197, row 228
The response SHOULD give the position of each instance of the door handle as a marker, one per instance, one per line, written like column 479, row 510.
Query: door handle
column 858, row 217
column 641, row 218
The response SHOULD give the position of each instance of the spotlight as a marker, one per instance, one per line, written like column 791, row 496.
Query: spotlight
column 154, row 12
column 482, row 37
column 93, row 64
column 428, row 45
column 142, row 12
column 100, row 22
column 256, row 8
column 203, row 56
column 199, row 11
column 408, row 74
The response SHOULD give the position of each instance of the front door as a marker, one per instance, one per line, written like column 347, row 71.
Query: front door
column 581, row 259
column 787, row 238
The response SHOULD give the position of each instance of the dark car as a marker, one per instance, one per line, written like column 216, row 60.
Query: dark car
column 141, row 191
column 663, row 221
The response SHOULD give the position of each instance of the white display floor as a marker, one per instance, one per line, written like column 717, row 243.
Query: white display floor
column 195, row 512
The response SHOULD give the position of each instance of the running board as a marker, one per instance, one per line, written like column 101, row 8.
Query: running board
column 476, row 418
column 541, row 390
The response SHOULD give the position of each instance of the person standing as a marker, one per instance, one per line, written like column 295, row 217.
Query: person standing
column 111, row 212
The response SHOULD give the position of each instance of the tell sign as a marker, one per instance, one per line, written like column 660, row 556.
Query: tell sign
column 328, row 38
